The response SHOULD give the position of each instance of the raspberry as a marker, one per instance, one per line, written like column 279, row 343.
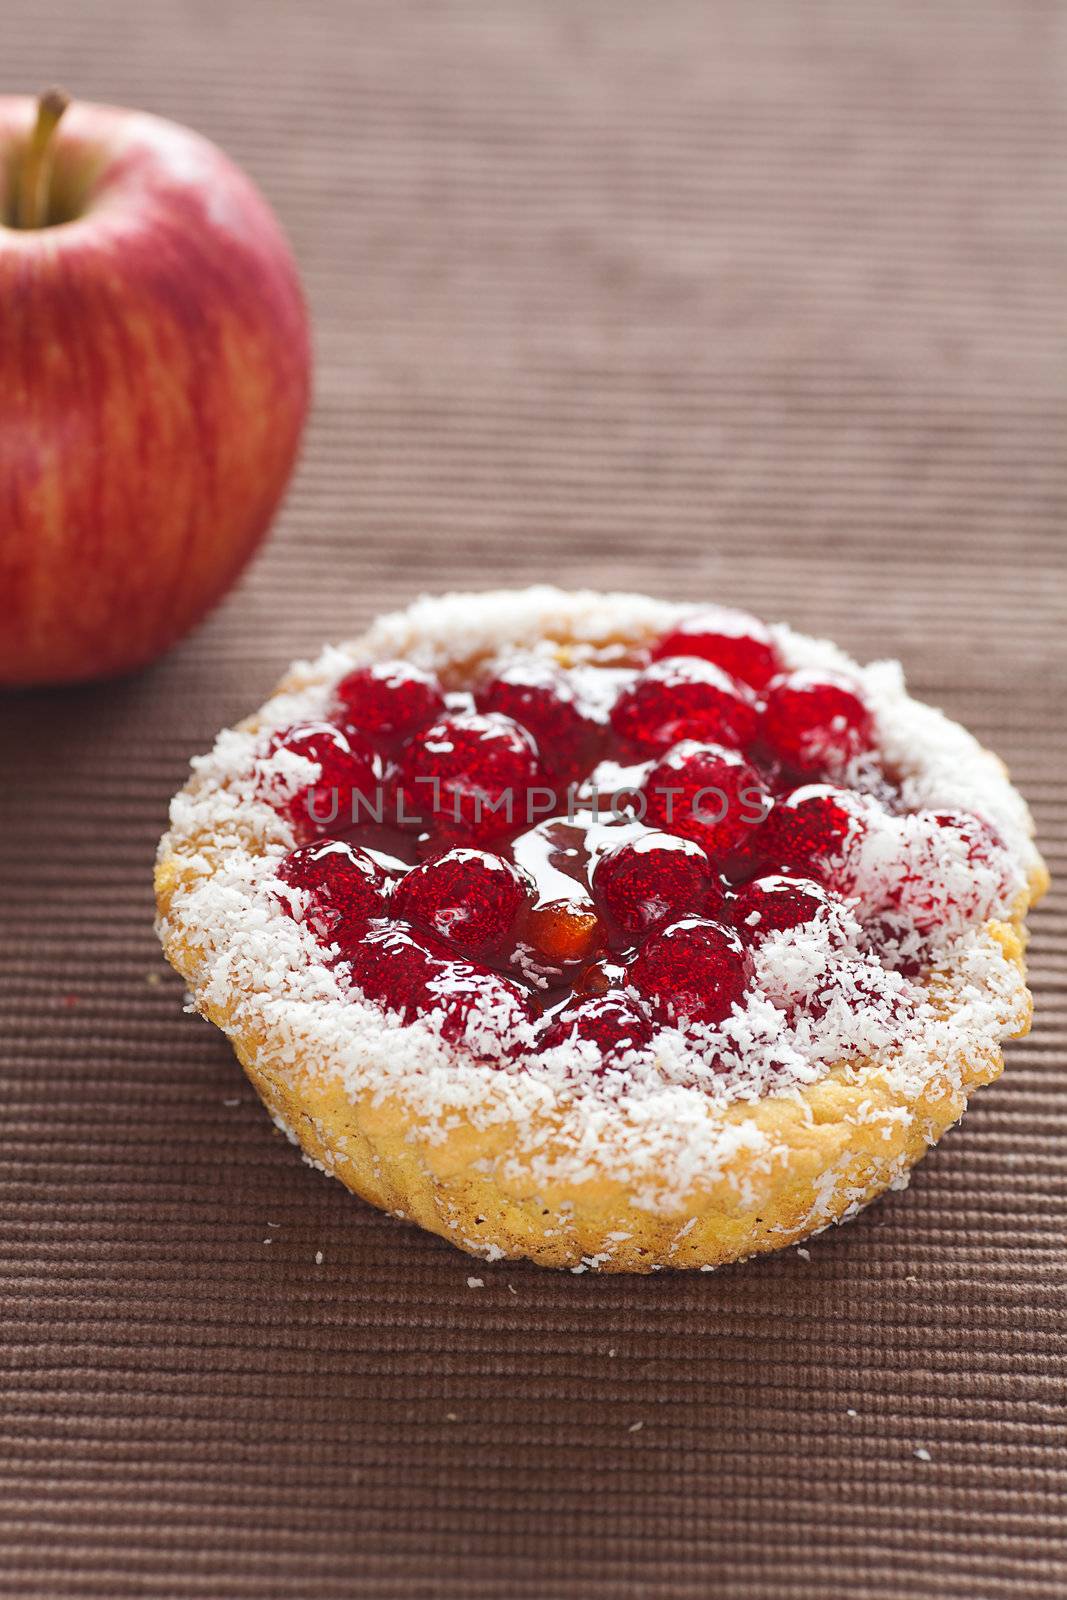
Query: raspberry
column 814, row 833
column 612, row 1022
column 646, row 881
column 344, row 888
column 470, row 1005
column 540, row 697
column 693, row 971
column 952, row 872
column 894, row 942
column 815, row 722
column 389, row 700
column 349, row 780
column 684, row 698
column 860, row 1002
column 982, row 844
column 468, row 898
column 708, row 794
column 733, row 640
column 777, row 905
column 472, row 773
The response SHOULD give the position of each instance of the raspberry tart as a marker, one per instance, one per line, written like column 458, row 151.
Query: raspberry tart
column 603, row 931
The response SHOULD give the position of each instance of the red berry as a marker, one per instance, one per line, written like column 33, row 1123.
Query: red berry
column 471, row 773
column 706, row 793
column 343, row 885
column 733, row 640
column 612, row 1022
column 814, row 833
column 693, row 971
column 981, row 842
column 895, row 943
column 952, row 871
column 684, row 699
column 815, row 721
column 346, row 789
column 863, row 1000
column 468, row 898
column 541, row 698
column 389, row 700
column 646, row 881
column 470, row 1005
column 777, row 905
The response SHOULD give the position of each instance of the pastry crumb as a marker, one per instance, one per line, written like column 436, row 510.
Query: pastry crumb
column 475, row 1283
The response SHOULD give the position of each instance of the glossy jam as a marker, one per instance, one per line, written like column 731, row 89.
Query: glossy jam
column 584, row 855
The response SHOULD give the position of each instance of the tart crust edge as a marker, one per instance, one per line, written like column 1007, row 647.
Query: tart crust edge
column 834, row 1146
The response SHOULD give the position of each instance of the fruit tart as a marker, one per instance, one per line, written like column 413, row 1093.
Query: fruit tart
column 607, row 932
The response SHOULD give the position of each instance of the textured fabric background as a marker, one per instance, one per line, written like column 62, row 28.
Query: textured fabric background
column 760, row 301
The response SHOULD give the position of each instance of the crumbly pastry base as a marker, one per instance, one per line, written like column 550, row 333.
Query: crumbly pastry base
column 500, row 1177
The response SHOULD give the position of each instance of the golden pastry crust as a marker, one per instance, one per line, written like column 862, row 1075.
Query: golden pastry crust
column 501, row 1186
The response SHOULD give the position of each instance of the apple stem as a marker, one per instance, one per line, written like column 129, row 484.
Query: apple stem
column 35, row 179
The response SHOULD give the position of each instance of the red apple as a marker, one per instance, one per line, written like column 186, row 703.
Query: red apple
column 154, row 376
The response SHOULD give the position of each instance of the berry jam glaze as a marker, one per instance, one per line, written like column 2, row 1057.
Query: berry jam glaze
column 582, row 856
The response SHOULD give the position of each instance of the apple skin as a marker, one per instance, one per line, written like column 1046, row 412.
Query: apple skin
column 154, row 380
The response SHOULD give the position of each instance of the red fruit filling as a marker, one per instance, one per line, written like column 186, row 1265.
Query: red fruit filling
column 681, row 698
column 343, row 886
column 470, row 774
column 348, row 784
column 733, row 640
column 540, row 697
column 708, row 794
column 777, row 905
column 853, row 985
column 467, row 898
column 815, row 722
column 694, row 971
column 813, row 833
column 388, row 701
column 646, row 881
column 613, row 1022
column 557, row 920
column 393, row 968
column 952, row 870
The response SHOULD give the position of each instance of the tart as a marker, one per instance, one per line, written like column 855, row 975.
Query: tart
column 603, row 931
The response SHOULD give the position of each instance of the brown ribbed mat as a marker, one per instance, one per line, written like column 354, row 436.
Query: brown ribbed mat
column 759, row 300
